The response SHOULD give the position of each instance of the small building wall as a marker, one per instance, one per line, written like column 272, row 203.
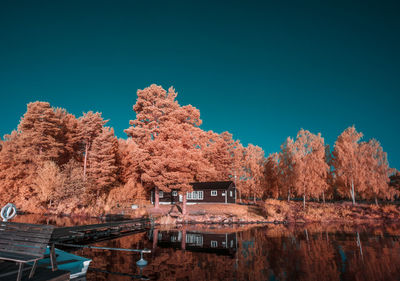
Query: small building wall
column 223, row 195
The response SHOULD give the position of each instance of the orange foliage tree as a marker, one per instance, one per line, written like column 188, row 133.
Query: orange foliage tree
column 311, row 168
column 90, row 126
column 102, row 169
column 347, row 163
column 376, row 179
column 254, row 168
column 170, row 140
column 287, row 167
column 272, row 176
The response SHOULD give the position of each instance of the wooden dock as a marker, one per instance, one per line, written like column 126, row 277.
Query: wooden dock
column 99, row 232
column 9, row 272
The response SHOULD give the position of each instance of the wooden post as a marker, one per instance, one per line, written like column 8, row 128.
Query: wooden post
column 33, row 269
column 53, row 257
column 21, row 265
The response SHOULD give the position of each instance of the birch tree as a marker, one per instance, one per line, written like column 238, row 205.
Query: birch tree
column 347, row 163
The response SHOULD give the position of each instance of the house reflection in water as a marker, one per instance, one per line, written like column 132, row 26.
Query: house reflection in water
column 196, row 241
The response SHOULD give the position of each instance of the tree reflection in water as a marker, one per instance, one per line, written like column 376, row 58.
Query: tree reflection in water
column 275, row 252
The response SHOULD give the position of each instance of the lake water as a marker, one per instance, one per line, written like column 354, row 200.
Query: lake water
column 270, row 252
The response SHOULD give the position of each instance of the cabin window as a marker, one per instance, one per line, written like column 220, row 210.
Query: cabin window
column 231, row 243
column 231, row 193
column 175, row 193
column 200, row 195
column 195, row 195
column 214, row 193
column 161, row 194
column 195, row 239
column 214, row 244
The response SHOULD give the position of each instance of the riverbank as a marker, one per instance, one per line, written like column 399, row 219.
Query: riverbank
column 276, row 211
column 270, row 211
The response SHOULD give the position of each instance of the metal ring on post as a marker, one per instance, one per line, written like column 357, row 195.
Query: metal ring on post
column 8, row 212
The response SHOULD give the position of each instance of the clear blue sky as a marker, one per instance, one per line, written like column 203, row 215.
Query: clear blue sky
column 260, row 70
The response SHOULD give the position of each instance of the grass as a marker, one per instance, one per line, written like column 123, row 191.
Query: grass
column 328, row 212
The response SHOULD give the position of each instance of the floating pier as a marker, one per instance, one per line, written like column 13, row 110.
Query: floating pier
column 85, row 234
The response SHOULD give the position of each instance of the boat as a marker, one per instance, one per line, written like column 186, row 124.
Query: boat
column 76, row 265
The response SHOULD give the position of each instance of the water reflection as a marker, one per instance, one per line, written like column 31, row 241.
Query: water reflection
column 276, row 252
column 195, row 240
column 273, row 252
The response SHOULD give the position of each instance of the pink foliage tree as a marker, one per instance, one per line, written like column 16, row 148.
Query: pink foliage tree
column 347, row 163
column 170, row 138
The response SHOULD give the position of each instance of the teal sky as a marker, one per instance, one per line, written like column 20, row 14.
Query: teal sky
column 260, row 70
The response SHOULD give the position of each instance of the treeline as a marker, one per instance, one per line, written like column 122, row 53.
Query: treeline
column 307, row 168
column 55, row 160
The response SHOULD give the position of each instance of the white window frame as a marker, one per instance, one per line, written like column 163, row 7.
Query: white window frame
column 160, row 194
column 230, row 193
column 195, row 195
column 196, row 239
column 174, row 193
column 214, row 192
column 214, row 244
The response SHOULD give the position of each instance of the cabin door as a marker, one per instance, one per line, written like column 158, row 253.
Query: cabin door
column 180, row 198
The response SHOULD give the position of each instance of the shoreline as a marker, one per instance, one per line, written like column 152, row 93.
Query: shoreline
column 269, row 212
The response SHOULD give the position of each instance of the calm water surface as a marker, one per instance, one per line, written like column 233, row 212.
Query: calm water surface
column 272, row 252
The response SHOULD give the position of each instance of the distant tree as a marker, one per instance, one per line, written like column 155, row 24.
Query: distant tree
column 41, row 133
column 347, row 165
column 16, row 172
column 287, row 167
column 219, row 149
column 102, row 169
column 90, row 126
column 238, row 168
column 254, row 168
column 70, row 136
column 47, row 182
column 73, row 180
column 130, row 157
column 311, row 167
column 374, row 161
column 271, row 176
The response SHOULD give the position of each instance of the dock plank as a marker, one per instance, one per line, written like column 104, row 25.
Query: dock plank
column 95, row 232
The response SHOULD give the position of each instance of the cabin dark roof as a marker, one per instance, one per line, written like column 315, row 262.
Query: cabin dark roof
column 212, row 185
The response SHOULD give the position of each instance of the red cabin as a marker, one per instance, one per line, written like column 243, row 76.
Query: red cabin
column 203, row 192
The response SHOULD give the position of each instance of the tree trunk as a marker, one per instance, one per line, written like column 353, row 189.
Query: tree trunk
column 304, row 201
column 323, row 196
column 352, row 192
column 376, row 201
column 85, row 160
column 184, row 204
column 156, row 198
column 240, row 195
column 288, row 195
